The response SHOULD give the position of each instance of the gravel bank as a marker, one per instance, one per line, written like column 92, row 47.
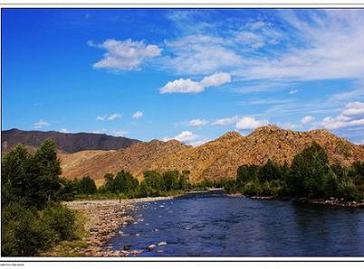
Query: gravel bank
column 104, row 218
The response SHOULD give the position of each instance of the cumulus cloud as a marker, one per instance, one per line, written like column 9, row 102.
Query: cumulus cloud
column 307, row 119
column 241, row 123
column 64, row 130
column 189, row 86
column 186, row 136
column 110, row 117
column 189, row 138
column 197, row 123
column 40, row 124
column 137, row 115
column 125, row 55
column 351, row 116
column 246, row 123
column 182, row 86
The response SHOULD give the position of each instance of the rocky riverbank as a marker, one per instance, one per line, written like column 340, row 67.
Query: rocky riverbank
column 332, row 202
column 103, row 220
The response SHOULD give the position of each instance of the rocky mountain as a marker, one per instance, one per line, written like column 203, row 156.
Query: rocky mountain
column 213, row 160
column 66, row 142
column 136, row 159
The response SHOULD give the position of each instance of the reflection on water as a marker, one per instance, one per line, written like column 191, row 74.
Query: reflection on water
column 218, row 225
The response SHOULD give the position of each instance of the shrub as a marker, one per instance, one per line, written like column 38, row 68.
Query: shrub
column 61, row 220
column 23, row 232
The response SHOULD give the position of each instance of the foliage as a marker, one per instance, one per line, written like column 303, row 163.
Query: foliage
column 61, row 220
column 34, row 180
column 32, row 218
column 247, row 173
column 23, row 232
column 86, row 186
column 310, row 175
column 308, row 171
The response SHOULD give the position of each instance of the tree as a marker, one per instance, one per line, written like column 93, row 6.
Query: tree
column 309, row 171
column 32, row 179
column 246, row 173
column 86, row 186
column 15, row 181
column 269, row 171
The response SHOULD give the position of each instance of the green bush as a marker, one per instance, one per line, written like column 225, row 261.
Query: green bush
column 61, row 220
column 23, row 232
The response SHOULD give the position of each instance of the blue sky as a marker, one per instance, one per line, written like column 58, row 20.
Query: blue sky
column 189, row 74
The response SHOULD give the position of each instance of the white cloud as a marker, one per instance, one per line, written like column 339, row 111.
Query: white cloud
column 64, row 130
column 225, row 121
column 125, row 55
column 110, row 117
column 215, row 80
column 351, row 116
column 188, row 138
column 137, row 115
column 40, row 124
column 182, row 86
column 314, row 45
column 246, row 123
column 332, row 48
column 307, row 119
column 241, row 123
column 197, row 123
column 189, row 86
column 293, row 91
column 354, row 109
column 200, row 54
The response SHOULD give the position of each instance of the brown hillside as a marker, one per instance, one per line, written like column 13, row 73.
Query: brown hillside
column 136, row 158
column 215, row 159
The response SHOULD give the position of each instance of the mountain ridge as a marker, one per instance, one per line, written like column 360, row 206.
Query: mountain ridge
column 66, row 142
column 215, row 159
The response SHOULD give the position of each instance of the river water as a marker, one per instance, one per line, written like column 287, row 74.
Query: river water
column 221, row 226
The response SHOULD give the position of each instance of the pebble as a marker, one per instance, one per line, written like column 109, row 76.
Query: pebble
column 151, row 247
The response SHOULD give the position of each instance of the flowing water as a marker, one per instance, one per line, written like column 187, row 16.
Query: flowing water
column 218, row 225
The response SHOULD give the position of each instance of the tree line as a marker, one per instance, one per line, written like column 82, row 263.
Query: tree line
column 309, row 175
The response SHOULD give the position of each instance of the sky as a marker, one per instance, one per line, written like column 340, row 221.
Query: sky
column 187, row 74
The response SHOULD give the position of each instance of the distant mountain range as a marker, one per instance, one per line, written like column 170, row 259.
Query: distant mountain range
column 68, row 143
column 97, row 154
column 213, row 160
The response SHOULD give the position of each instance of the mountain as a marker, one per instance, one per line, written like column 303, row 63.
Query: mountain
column 213, row 160
column 136, row 159
column 68, row 143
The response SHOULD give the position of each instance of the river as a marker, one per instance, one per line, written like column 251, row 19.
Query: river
column 217, row 225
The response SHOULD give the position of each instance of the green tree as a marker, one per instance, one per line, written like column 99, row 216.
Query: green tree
column 15, row 180
column 309, row 172
column 86, row 186
column 269, row 171
column 246, row 173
